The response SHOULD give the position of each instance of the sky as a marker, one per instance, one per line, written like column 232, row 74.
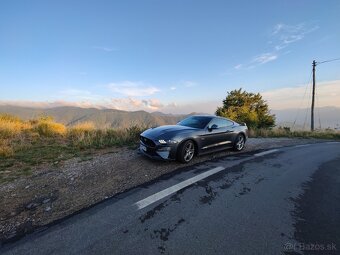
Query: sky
column 177, row 56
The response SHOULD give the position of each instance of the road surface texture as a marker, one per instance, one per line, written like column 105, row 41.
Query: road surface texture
column 282, row 201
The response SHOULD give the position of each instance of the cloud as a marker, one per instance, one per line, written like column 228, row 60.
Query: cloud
column 237, row 67
column 189, row 84
column 133, row 104
column 107, row 49
column 328, row 94
column 172, row 88
column 126, row 104
column 264, row 58
column 281, row 37
column 285, row 34
column 132, row 89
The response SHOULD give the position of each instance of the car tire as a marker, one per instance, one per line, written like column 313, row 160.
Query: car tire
column 239, row 142
column 186, row 152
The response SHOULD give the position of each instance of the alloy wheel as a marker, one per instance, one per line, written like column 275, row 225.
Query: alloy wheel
column 240, row 143
column 189, row 151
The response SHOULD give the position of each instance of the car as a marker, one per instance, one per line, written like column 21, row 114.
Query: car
column 195, row 135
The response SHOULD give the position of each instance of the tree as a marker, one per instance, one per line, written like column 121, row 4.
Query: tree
column 250, row 108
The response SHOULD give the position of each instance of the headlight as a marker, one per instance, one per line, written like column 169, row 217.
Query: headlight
column 162, row 141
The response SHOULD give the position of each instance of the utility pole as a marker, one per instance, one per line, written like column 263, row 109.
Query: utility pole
column 313, row 98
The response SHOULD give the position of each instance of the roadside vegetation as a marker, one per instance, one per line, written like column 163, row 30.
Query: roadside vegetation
column 25, row 144
column 246, row 107
column 286, row 132
column 250, row 108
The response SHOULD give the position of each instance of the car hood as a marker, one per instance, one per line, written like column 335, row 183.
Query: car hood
column 166, row 131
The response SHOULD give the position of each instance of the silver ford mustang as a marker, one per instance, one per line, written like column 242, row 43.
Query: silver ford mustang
column 195, row 135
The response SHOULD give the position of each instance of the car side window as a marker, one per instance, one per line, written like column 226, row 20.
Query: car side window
column 220, row 123
column 225, row 123
column 214, row 121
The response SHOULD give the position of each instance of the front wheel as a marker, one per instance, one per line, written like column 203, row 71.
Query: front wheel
column 239, row 143
column 186, row 152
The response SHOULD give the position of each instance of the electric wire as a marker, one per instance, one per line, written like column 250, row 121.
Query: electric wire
column 326, row 61
column 303, row 99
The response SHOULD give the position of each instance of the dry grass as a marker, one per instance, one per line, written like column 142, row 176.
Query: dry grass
column 11, row 126
column 49, row 128
column 6, row 149
column 285, row 132
column 25, row 144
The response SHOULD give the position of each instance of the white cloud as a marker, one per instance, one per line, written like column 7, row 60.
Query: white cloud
column 132, row 89
column 239, row 66
column 126, row 104
column 285, row 34
column 281, row 37
column 189, row 84
column 264, row 58
column 107, row 49
column 173, row 88
column 133, row 104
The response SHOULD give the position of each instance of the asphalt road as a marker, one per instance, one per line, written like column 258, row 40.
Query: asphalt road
column 284, row 201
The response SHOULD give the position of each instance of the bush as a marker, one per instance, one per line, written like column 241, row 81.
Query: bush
column 11, row 126
column 49, row 128
column 5, row 149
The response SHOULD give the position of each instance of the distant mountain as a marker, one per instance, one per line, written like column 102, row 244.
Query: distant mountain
column 102, row 118
column 326, row 117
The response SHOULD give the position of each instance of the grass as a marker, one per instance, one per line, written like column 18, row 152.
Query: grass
column 285, row 132
column 26, row 144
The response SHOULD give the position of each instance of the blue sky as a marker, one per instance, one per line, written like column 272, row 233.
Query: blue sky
column 172, row 56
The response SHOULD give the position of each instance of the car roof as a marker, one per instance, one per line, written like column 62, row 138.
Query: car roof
column 213, row 116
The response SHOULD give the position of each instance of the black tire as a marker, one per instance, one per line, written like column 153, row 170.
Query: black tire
column 186, row 152
column 239, row 142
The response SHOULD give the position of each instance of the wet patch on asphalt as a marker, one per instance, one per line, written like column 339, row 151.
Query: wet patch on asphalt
column 317, row 212
column 164, row 233
column 209, row 197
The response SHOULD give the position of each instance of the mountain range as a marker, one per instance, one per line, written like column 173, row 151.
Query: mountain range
column 102, row 118
column 328, row 117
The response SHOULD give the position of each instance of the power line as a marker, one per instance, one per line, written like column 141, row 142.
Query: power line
column 330, row 60
column 317, row 103
column 303, row 99
column 313, row 90
column 307, row 109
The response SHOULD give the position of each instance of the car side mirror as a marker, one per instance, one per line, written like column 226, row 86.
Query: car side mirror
column 212, row 127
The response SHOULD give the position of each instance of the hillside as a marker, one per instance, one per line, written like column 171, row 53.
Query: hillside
column 102, row 118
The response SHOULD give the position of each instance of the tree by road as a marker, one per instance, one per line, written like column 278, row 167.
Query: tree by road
column 243, row 106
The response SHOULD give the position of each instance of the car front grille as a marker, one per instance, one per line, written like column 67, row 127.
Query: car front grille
column 147, row 142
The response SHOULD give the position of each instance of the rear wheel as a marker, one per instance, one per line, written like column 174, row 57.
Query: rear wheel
column 186, row 152
column 239, row 142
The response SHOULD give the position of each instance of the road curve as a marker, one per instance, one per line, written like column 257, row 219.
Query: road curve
column 283, row 201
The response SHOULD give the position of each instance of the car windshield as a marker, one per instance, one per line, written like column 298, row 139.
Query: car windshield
column 195, row 121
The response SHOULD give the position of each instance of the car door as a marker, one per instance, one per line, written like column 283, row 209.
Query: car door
column 214, row 136
column 229, row 131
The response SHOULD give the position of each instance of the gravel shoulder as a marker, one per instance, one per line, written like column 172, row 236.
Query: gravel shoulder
column 56, row 191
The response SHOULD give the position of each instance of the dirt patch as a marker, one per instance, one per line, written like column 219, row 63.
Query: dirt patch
column 56, row 191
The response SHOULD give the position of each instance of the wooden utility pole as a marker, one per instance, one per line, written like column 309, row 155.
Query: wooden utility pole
column 313, row 98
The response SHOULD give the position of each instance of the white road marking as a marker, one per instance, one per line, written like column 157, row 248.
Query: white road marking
column 331, row 142
column 168, row 191
column 265, row 153
column 302, row 145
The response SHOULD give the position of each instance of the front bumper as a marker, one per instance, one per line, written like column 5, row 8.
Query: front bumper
column 162, row 152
